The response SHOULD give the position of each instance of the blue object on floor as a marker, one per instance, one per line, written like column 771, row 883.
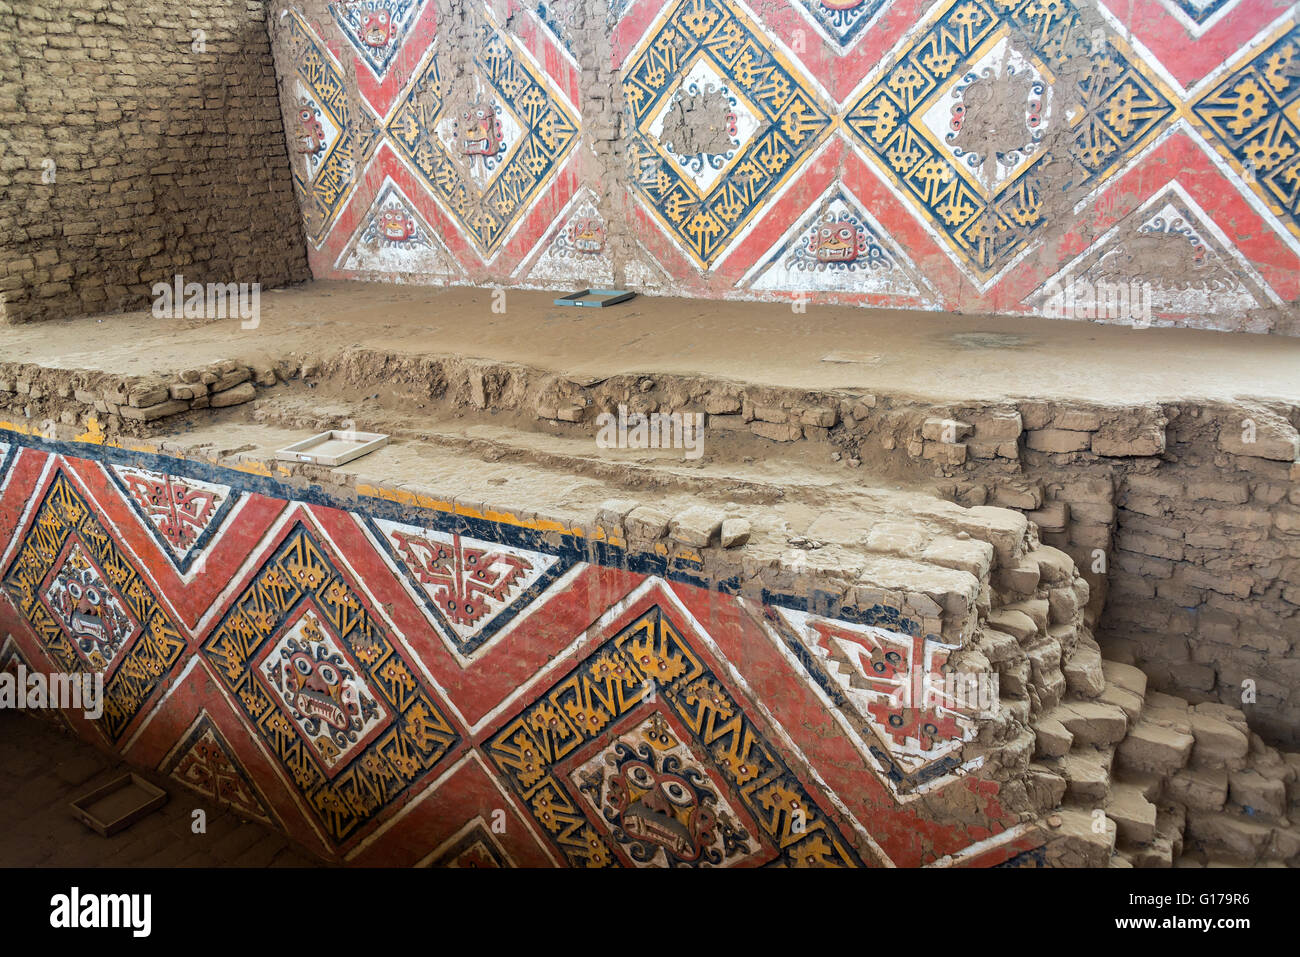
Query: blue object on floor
column 595, row 297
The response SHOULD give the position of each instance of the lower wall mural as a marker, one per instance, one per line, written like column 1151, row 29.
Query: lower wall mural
column 395, row 685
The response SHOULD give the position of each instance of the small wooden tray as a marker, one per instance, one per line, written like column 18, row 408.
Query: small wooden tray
column 118, row 804
column 595, row 297
column 334, row 447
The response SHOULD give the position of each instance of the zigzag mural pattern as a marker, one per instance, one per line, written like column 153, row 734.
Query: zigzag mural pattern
column 325, row 691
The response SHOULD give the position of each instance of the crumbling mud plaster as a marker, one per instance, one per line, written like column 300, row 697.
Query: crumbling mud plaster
column 968, row 156
column 1182, row 517
column 480, row 638
column 140, row 140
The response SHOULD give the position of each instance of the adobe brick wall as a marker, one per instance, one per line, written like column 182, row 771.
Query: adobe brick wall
column 165, row 160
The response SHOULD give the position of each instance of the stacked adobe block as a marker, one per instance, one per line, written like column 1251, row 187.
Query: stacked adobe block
column 142, row 141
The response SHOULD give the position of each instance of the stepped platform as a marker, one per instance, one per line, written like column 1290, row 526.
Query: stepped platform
column 511, row 608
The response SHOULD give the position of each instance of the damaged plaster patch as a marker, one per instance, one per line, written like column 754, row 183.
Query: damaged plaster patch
column 700, row 123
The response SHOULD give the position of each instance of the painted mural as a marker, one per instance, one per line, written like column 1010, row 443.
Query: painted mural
column 399, row 685
column 963, row 155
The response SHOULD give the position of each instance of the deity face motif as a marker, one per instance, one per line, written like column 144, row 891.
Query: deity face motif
column 841, row 4
column 86, row 613
column 836, row 243
column 480, row 132
column 318, row 691
column 661, row 808
column 376, row 29
column 587, row 233
column 395, row 225
column 310, row 138
column 89, row 612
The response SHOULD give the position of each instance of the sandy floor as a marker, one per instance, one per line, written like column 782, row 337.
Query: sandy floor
column 42, row 770
column 932, row 356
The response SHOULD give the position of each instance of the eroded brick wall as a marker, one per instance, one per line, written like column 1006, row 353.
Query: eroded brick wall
column 1185, row 521
column 133, row 149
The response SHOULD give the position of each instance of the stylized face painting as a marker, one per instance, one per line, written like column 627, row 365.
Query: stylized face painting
column 318, row 690
column 836, row 243
column 93, row 617
column 376, row 29
column 481, row 134
column 396, row 225
column 87, row 612
column 661, row 808
column 587, row 234
column 311, row 134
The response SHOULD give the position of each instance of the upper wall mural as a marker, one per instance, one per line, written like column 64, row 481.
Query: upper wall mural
column 1134, row 163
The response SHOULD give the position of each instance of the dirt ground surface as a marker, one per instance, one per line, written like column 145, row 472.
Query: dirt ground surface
column 43, row 769
column 937, row 357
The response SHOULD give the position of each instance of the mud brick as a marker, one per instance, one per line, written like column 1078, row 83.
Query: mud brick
column 729, row 423
column 146, row 396
column 820, row 417
column 787, row 432
column 1126, row 441
column 766, row 413
column 697, row 525
column 718, row 404
column 1077, row 420
column 240, row 394
column 1058, row 440
column 1261, row 434
column 998, row 426
column 1052, row 517
column 231, row 379
column 945, row 430
column 1024, row 497
column 153, row 412
column 947, row 453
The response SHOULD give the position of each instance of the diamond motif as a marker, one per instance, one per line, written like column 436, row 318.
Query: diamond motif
column 376, row 28
column 841, row 21
column 1254, row 113
column 661, row 804
column 127, row 635
column 545, row 754
column 735, row 130
column 90, row 611
column 323, row 685
column 989, row 212
column 468, row 589
column 181, row 514
column 204, row 763
column 320, row 688
column 992, row 153
column 704, row 200
column 324, row 144
column 489, row 158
